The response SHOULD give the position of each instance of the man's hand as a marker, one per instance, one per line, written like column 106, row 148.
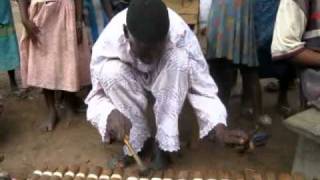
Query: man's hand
column 237, row 137
column 118, row 126
column 32, row 31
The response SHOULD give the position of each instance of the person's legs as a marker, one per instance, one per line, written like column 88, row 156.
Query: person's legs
column 252, row 91
column 285, row 81
column 50, row 122
column 70, row 102
column 12, row 79
column 224, row 74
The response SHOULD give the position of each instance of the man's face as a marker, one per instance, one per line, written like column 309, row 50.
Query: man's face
column 146, row 52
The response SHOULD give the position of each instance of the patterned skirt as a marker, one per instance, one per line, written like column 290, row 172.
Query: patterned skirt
column 231, row 33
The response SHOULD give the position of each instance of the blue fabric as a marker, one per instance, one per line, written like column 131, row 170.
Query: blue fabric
column 5, row 12
column 92, row 19
column 9, row 51
column 265, row 16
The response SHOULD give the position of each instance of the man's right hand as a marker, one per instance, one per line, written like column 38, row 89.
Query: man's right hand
column 32, row 31
column 118, row 126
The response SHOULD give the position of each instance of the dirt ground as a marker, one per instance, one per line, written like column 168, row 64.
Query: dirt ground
column 24, row 147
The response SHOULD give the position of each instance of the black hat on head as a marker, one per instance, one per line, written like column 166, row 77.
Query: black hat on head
column 148, row 20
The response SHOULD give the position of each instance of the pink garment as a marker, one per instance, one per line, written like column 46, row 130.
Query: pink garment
column 58, row 63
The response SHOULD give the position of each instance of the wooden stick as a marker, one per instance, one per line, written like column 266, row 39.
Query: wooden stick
column 134, row 154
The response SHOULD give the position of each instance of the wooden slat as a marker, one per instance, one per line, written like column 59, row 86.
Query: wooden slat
column 189, row 10
column 251, row 174
column 189, row 7
column 117, row 174
column 298, row 176
column 50, row 169
column 96, row 170
column 223, row 175
column 182, row 175
column 270, row 176
column 106, row 173
column 169, row 174
column 197, row 175
column 131, row 174
column 73, row 169
column 83, row 171
column 61, row 170
column 236, row 175
column 285, row 176
column 157, row 175
column 211, row 175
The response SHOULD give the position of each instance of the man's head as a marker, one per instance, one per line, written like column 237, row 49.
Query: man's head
column 147, row 28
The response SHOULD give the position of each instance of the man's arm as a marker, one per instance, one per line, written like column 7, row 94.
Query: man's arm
column 31, row 29
column 307, row 57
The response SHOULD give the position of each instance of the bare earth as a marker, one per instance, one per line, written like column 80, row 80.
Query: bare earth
column 25, row 148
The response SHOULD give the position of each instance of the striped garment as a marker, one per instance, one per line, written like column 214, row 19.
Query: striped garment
column 297, row 27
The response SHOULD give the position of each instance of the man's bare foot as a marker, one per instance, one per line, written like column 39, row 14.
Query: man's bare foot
column 49, row 124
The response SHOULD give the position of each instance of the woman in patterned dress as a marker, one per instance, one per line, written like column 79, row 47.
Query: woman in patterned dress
column 232, row 46
column 55, row 54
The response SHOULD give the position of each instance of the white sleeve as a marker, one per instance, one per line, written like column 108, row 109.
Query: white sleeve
column 289, row 28
column 203, row 92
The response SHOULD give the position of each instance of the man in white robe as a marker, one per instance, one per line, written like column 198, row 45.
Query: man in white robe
column 149, row 48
